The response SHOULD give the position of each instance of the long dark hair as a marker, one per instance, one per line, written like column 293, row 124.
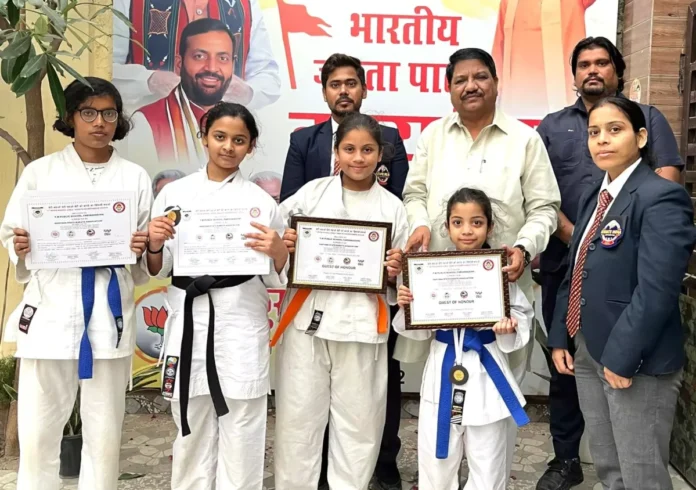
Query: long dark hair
column 77, row 93
column 633, row 113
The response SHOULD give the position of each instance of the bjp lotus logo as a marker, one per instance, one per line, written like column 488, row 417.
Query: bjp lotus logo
column 155, row 319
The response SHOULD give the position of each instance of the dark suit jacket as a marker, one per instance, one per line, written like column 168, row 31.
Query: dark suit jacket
column 309, row 158
column 630, row 293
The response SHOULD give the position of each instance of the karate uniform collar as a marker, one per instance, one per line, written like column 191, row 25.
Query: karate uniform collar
column 71, row 157
column 500, row 120
column 230, row 179
column 335, row 191
column 614, row 187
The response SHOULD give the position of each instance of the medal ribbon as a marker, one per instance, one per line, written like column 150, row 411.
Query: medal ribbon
column 473, row 340
column 85, row 360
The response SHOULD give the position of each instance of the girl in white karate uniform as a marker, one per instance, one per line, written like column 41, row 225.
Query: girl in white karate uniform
column 477, row 416
column 76, row 326
column 339, row 371
column 216, row 349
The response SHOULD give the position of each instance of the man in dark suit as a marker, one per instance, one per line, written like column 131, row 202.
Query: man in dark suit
column 310, row 157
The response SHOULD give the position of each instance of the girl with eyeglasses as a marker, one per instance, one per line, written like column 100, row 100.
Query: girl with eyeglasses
column 76, row 326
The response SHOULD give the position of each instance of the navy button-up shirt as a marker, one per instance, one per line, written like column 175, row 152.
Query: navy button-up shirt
column 565, row 135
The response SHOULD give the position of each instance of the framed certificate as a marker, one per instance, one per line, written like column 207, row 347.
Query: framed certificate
column 340, row 255
column 79, row 229
column 456, row 289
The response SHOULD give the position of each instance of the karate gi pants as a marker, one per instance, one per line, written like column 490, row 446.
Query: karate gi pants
column 225, row 453
column 47, row 393
column 489, row 450
column 342, row 382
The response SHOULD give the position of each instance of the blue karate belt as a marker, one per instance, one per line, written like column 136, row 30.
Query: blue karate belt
column 85, row 363
column 473, row 340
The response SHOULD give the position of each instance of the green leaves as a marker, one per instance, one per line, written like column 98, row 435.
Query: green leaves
column 58, row 63
column 19, row 45
column 22, row 85
column 56, row 90
column 55, row 18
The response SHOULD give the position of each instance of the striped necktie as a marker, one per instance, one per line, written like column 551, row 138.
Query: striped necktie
column 573, row 317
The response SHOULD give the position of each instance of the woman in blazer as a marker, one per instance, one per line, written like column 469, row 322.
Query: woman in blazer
column 617, row 327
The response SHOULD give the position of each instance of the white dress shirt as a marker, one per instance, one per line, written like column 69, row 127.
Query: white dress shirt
column 332, row 160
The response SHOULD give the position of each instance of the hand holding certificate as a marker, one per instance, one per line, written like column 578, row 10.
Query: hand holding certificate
column 456, row 289
column 342, row 255
column 79, row 229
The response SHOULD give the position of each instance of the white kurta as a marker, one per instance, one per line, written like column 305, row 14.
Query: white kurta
column 261, row 72
column 348, row 317
column 242, row 335
column 58, row 324
column 487, row 432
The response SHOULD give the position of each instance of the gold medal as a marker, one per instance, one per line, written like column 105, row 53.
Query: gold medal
column 458, row 375
column 174, row 214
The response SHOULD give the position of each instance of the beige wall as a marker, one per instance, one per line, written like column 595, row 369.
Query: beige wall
column 96, row 63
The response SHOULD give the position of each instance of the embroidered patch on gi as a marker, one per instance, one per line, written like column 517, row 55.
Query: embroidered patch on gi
column 382, row 174
column 457, row 407
column 316, row 320
column 611, row 234
column 27, row 316
column 169, row 379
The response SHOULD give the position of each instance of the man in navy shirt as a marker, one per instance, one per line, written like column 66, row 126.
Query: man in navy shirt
column 598, row 68
column 311, row 156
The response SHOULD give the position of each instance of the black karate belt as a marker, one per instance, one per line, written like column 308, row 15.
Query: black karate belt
column 194, row 288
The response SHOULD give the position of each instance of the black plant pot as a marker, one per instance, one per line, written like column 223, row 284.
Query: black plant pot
column 70, row 456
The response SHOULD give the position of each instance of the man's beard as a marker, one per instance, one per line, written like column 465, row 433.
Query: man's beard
column 343, row 113
column 197, row 95
column 594, row 91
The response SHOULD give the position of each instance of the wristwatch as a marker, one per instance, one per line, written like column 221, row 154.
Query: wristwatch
column 527, row 256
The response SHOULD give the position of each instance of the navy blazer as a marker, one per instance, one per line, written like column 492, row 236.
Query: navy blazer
column 630, row 293
column 309, row 158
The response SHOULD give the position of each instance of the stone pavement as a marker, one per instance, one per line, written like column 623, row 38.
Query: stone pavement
column 147, row 442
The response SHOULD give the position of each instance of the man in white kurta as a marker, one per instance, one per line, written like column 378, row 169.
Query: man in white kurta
column 339, row 373
column 227, row 451
column 49, row 346
column 506, row 159
column 257, row 86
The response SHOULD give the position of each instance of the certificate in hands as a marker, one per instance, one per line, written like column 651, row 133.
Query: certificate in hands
column 456, row 289
column 79, row 229
column 210, row 241
column 340, row 255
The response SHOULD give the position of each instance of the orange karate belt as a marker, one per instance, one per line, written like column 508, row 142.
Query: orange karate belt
column 299, row 299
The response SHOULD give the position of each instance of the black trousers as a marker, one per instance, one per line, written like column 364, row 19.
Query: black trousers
column 567, row 424
column 386, row 469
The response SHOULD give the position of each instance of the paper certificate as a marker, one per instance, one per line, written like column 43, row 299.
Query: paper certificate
column 456, row 289
column 342, row 255
column 210, row 241
column 79, row 229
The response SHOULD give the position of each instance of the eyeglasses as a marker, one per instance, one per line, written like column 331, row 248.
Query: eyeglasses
column 90, row 115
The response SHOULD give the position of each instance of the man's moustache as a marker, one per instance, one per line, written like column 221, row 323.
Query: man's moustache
column 593, row 79
column 210, row 74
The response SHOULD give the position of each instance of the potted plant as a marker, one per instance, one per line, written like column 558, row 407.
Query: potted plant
column 71, row 444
